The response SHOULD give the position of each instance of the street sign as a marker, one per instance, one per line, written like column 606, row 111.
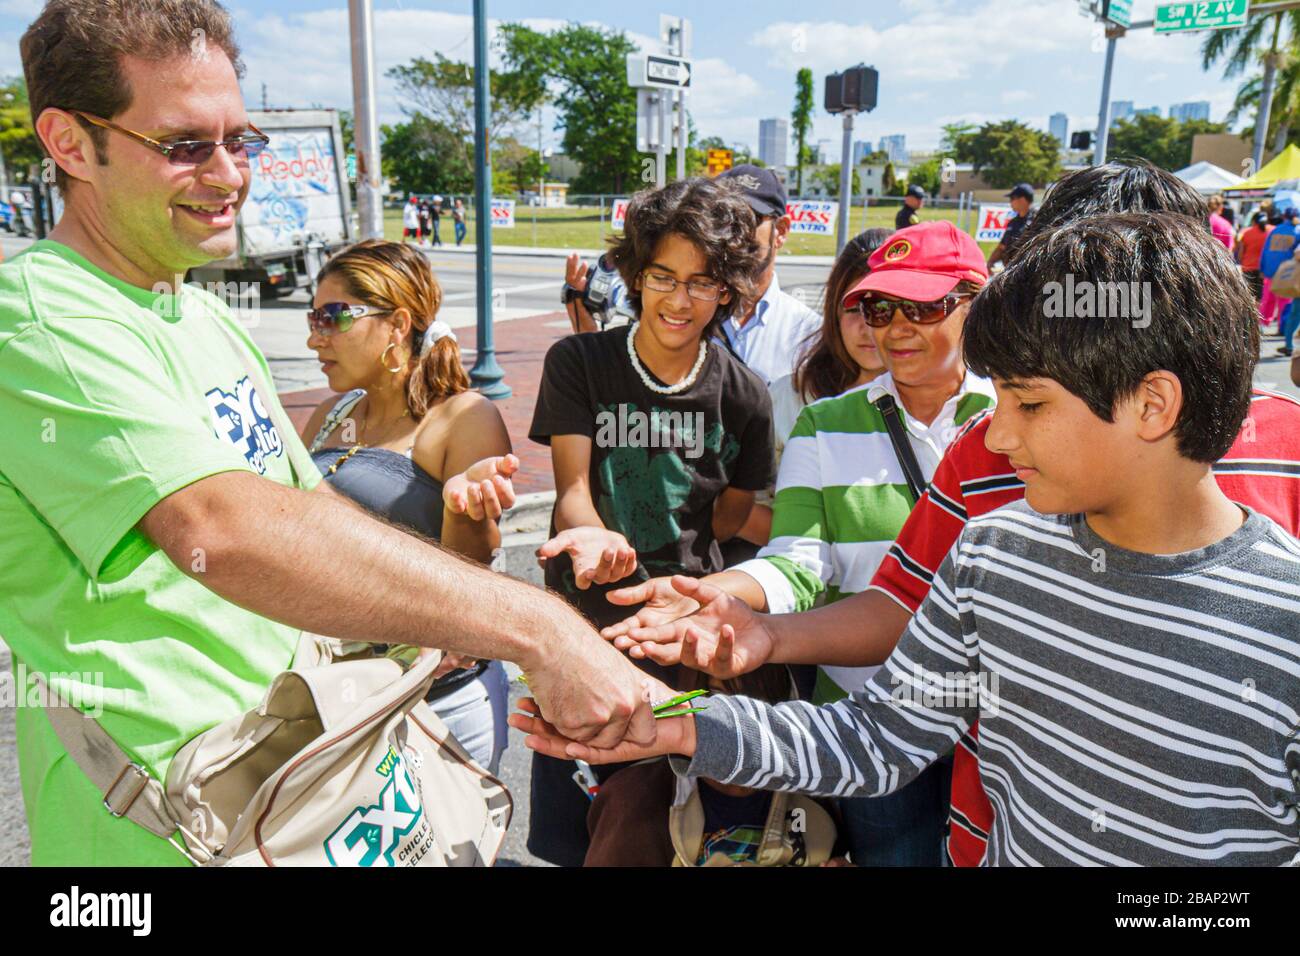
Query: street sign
column 662, row 72
column 1215, row 15
column 719, row 161
column 1118, row 12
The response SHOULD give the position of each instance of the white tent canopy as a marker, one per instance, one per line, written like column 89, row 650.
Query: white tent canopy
column 1206, row 178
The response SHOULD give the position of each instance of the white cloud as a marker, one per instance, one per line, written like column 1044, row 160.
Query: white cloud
column 1015, row 96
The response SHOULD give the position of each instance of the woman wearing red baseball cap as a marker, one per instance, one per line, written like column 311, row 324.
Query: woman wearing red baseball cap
column 846, row 486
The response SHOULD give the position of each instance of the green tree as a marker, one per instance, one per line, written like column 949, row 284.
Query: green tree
column 801, row 120
column 18, row 140
column 443, row 89
column 586, row 69
column 828, row 177
column 516, row 167
column 1165, row 142
column 928, row 175
column 1008, row 152
column 424, row 156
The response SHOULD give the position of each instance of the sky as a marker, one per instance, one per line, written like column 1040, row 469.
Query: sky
column 940, row 61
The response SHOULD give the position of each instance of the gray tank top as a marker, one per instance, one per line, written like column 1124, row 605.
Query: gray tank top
column 382, row 481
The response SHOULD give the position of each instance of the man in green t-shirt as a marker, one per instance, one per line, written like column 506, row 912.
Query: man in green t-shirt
column 160, row 553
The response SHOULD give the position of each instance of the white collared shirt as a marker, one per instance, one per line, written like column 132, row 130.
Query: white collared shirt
column 772, row 340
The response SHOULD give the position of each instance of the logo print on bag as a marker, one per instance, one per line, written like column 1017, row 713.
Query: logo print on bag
column 369, row 835
column 242, row 420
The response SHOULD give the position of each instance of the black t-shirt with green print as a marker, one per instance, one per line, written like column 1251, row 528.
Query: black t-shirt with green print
column 658, row 462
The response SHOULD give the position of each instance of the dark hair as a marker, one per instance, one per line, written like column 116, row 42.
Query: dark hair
column 1125, row 185
column 1201, row 321
column 392, row 276
column 1228, row 213
column 72, row 53
column 712, row 215
column 825, row 368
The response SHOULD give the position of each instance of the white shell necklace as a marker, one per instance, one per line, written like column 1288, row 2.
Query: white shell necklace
column 649, row 383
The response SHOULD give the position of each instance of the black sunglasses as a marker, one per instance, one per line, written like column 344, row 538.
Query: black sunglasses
column 190, row 152
column 878, row 311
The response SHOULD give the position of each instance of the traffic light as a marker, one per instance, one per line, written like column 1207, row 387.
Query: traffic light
column 853, row 91
column 1081, row 140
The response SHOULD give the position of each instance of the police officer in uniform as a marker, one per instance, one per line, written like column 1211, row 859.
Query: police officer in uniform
column 1022, row 202
column 913, row 201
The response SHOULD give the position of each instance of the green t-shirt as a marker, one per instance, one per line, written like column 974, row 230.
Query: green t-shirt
column 111, row 399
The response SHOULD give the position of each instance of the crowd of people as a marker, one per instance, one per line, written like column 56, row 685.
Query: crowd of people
column 422, row 220
column 941, row 574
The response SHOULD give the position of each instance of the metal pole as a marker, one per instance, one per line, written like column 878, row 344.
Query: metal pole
column 370, row 209
column 1103, row 121
column 679, row 49
column 486, row 375
column 846, row 182
column 661, row 147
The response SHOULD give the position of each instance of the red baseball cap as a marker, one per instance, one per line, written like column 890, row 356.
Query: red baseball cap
column 922, row 263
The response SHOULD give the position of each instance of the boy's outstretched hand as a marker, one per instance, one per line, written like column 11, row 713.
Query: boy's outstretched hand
column 724, row 638
column 600, row 556
column 676, row 735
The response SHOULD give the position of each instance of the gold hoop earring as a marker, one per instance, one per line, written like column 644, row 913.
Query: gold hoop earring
column 384, row 355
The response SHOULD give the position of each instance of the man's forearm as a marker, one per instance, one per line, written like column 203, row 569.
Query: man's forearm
column 858, row 631
column 315, row 562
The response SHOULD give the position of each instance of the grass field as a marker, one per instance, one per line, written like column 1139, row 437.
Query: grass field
column 581, row 228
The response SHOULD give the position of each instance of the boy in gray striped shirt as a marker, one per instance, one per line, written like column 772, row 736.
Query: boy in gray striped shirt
column 1128, row 638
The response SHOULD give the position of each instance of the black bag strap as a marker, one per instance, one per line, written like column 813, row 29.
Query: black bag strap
column 902, row 447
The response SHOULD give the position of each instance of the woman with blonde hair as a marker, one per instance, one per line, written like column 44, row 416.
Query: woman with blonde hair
column 410, row 441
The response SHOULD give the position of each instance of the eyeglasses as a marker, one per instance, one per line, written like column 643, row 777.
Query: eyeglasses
column 879, row 311
column 704, row 291
column 190, row 152
column 337, row 317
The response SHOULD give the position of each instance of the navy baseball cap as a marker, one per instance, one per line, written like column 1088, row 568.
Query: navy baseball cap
column 762, row 189
column 916, row 192
column 1022, row 191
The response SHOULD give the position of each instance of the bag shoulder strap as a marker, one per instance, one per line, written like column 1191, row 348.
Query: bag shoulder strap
column 903, row 450
column 128, row 788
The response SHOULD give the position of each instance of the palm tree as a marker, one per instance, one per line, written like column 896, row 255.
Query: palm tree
column 1281, row 33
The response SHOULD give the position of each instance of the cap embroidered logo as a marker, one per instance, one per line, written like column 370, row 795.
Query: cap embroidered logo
column 899, row 250
column 746, row 181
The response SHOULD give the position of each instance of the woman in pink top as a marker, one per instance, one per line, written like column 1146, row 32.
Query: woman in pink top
column 1220, row 227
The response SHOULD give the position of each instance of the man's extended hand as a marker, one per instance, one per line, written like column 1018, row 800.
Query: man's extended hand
column 591, row 693
column 599, row 555
column 483, row 490
column 663, row 605
column 724, row 638
column 676, row 736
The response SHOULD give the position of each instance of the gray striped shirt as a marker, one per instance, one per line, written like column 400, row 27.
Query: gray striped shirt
column 1133, row 709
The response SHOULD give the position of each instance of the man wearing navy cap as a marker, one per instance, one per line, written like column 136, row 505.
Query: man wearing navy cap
column 1022, row 203
column 907, row 213
column 768, row 335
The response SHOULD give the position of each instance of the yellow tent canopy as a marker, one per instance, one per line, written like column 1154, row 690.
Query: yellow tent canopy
column 1282, row 167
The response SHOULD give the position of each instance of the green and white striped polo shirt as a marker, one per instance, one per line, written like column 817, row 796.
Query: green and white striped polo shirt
column 841, row 497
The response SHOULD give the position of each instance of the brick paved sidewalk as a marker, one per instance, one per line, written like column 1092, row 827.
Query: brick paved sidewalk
column 521, row 348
